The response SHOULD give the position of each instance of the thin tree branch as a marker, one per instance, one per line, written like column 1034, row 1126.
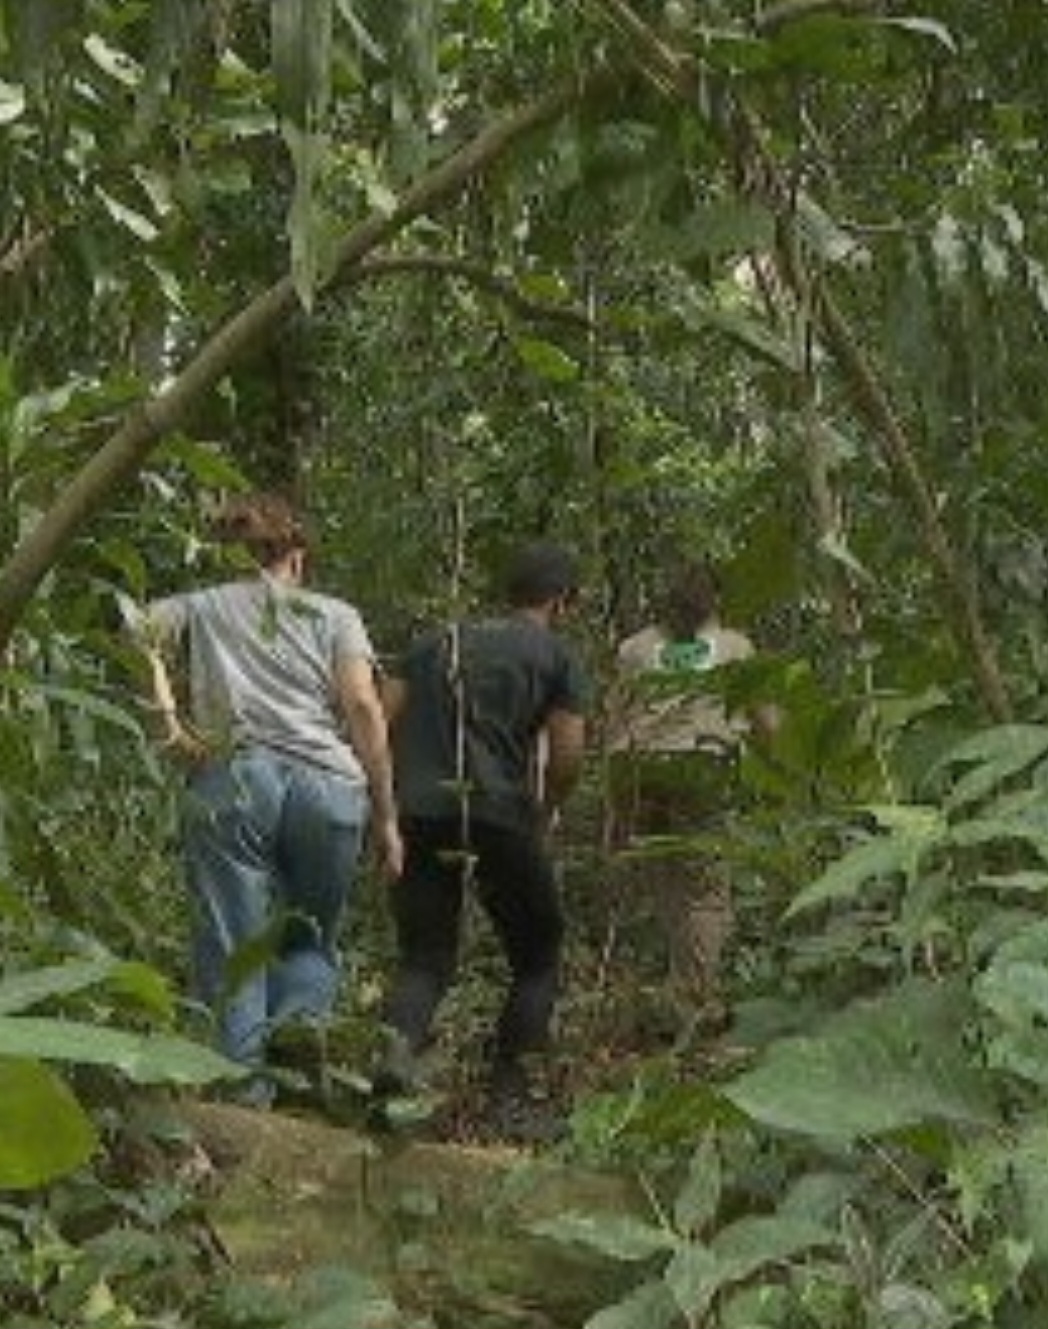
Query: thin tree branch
column 127, row 449
column 671, row 71
column 480, row 276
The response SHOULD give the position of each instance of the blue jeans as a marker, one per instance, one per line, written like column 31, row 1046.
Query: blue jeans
column 271, row 845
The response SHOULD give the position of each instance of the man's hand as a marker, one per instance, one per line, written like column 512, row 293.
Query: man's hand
column 183, row 743
column 389, row 847
column 564, row 737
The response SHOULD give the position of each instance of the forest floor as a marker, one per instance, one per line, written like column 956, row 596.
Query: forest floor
column 450, row 1231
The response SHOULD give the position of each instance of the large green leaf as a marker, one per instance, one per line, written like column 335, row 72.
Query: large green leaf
column 328, row 1297
column 44, row 1133
column 760, row 1239
column 113, row 61
column 211, row 467
column 145, row 986
column 143, row 1058
column 1014, row 989
column 547, row 359
column 987, row 1166
column 835, row 46
column 654, row 1112
column 994, row 754
column 140, row 226
column 756, row 337
column 908, row 1306
column 696, row 1204
column 306, row 150
column 694, row 1276
column 79, row 699
column 879, row 859
column 1026, row 1165
column 650, row 1306
column 1031, row 882
column 1020, row 1050
column 831, row 242
column 719, row 229
column 747, row 331
column 617, row 1236
column 994, row 830
column 878, row 1066
column 697, row 1273
column 19, row 992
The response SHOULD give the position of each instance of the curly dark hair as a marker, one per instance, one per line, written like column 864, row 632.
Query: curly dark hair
column 691, row 598
column 267, row 525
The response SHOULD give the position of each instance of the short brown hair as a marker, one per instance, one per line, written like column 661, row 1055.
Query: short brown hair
column 267, row 525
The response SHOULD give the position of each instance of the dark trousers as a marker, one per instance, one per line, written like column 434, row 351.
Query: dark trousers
column 513, row 877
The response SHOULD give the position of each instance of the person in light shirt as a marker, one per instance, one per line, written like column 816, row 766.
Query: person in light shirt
column 284, row 744
column 674, row 749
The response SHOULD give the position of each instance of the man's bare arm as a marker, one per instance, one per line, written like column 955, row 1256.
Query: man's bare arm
column 365, row 722
column 565, row 741
column 394, row 694
column 168, row 726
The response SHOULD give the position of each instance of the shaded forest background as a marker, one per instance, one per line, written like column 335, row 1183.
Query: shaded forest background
column 763, row 281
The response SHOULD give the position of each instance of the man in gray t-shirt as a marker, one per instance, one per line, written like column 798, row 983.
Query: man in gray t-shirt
column 284, row 739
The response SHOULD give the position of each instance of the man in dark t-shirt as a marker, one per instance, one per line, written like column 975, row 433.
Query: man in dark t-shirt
column 488, row 735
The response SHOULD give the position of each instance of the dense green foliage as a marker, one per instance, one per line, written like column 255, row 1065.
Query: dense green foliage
column 765, row 281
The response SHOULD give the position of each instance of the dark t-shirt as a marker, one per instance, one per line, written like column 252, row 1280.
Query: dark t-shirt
column 512, row 674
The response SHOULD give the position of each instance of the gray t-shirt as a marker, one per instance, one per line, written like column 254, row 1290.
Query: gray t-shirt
column 262, row 660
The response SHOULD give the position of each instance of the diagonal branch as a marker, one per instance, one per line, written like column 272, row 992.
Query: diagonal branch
column 124, row 453
column 666, row 67
column 502, row 288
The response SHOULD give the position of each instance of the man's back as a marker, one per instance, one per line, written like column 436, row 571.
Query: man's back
column 262, row 659
column 478, row 695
